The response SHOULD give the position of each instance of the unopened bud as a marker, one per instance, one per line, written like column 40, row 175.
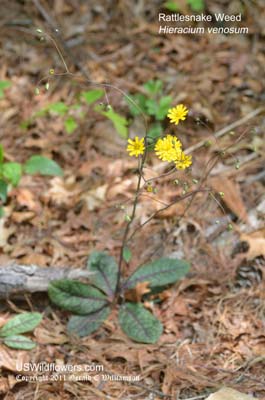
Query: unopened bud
column 208, row 143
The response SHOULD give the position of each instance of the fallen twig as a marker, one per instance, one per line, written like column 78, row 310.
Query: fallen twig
column 226, row 129
column 16, row 278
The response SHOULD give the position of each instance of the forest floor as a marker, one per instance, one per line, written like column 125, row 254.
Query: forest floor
column 214, row 318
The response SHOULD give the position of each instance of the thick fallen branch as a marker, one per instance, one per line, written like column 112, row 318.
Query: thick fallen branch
column 16, row 278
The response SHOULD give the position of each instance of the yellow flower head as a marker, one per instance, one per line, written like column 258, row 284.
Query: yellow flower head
column 136, row 147
column 183, row 161
column 168, row 148
column 177, row 113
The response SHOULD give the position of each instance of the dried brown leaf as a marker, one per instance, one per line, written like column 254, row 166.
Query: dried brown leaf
column 232, row 196
column 54, row 336
column 27, row 199
column 137, row 293
column 12, row 359
column 256, row 242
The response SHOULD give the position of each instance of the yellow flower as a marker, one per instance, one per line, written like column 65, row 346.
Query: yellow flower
column 183, row 161
column 136, row 147
column 168, row 148
column 177, row 113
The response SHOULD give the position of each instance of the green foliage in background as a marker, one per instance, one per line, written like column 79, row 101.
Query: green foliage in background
column 11, row 172
column 91, row 303
column 195, row 5
column 74, row 114
column 3, row 86
column 10, row 333
column 153, row 104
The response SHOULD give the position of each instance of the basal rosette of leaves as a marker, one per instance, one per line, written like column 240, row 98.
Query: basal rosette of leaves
column 92, row 303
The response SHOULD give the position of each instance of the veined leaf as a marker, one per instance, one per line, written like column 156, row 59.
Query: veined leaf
column 19, row 342
column 43, row 166
column 75, row 296
column 20, row 324
column 139, row 324
column 12, row 171
column 158, row 273
column 105, row 272
column 87, row 324
column 92, row 95
column 3, row 190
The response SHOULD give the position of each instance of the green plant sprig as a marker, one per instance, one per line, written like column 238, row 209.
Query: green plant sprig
column 12, row 172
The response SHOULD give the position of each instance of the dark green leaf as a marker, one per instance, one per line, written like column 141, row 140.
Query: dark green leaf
column 75, row 296
column 19, row 342
column 105, row 272
column 3, row 190
column 4, row 85
column 43, row 166
column 12, row 171
column 159, row 273
column 85, row 325
column 21, row 323
column 70, row 125
column 2, row 212
column 139, row 324
column 127, row 254
column 92, row 95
